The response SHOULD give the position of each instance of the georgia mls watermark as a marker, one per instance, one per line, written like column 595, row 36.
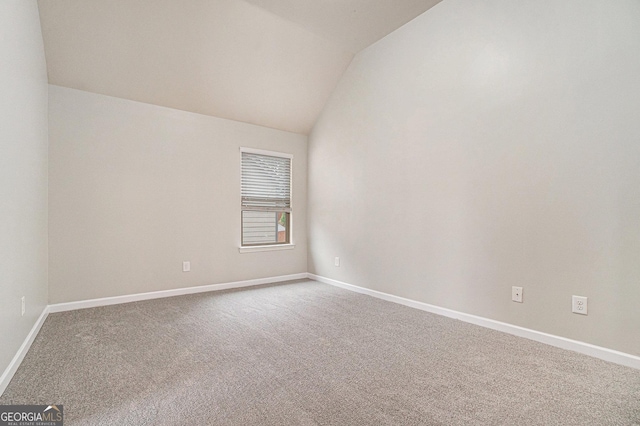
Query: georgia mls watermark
column 31, row 415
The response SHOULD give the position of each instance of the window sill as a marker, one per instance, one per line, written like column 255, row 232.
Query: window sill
column 253, row 249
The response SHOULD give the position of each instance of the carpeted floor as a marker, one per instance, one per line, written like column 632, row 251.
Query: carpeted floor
column 306, row 353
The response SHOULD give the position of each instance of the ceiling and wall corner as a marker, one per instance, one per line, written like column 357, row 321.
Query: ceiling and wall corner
column 272, row 63
column 354, row 24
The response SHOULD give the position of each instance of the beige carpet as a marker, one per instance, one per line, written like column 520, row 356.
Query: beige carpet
column 306, row 353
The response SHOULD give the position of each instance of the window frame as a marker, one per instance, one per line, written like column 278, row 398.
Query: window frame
column 247, row 248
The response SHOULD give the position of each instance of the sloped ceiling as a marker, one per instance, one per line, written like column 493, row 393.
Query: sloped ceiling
column 353, row 24
column 268, row 62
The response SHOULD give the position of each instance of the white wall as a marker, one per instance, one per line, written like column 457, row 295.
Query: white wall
column 135, row 189
column 23, row 174
column 490, row 144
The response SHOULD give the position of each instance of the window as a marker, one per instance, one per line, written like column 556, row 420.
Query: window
column 266, row 198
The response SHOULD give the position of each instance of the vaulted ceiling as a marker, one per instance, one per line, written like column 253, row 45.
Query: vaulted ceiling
column 268, row 62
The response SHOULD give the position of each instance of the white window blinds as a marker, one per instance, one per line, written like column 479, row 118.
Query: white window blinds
column 266, row 182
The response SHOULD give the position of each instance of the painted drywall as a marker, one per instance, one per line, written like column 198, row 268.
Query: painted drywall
column 224, row 58
column 354, row 24
column 136, row 189
column 23, row 174
column 486, row 145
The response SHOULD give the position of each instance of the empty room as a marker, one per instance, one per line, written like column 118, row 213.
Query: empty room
column 319, row 212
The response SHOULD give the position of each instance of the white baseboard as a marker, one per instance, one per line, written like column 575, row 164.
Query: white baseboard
column 605, row 354
column 82, row 304
column 24, row 348
column 115, row 300
column 560, row 342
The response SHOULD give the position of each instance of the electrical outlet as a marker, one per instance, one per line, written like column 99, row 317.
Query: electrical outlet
column 579, row 305
column 186, row 266
column 336, row 261
column 24, row 305
column 516, row 294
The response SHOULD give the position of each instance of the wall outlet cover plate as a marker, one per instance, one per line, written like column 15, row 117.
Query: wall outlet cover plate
column 579, row 305
column 516, row 294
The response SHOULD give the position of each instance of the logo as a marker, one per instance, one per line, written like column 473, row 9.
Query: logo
column 31, row 415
